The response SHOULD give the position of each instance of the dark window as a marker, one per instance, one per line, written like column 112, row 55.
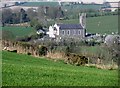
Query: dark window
column 63, row 32
column 68, row 32
column 79, row 32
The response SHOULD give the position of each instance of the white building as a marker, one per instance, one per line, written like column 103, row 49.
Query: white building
column 69, row 30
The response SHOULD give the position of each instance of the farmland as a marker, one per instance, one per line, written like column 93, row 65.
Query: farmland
column 36, row 4
column 23, row 70
column 87, row 6
column 18, row 31
column 102, row 24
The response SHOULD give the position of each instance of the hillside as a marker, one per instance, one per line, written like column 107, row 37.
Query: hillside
column 15, row 32
column 102, row 24
column 80, row 6
column 37, row 4
column 23, row 70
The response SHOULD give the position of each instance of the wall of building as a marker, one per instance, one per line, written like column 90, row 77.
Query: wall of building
column 74, row 33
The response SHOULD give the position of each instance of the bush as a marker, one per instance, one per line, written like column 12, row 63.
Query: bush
column 42, row 50
column 76, row 59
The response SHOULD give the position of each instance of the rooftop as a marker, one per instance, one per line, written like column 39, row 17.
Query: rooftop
column 70, row 26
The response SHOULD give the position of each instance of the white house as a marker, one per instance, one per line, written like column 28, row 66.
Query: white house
column 69, row 30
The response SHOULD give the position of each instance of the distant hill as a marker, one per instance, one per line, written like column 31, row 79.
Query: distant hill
column 37, row 4
column 81, row 6
column 84, row 6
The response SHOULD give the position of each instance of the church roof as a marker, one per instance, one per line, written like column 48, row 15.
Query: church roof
column 70, row 26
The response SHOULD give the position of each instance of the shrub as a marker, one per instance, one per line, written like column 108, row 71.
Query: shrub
column 42, row 50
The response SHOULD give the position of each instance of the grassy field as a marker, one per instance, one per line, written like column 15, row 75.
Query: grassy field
column 97, row 7
column 23, row 70
column 36, row 4
column 18, row 31
column 107, row 24
column 87, row 6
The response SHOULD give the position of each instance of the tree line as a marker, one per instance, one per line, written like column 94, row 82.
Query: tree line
column 43, row 14
column 20, row 15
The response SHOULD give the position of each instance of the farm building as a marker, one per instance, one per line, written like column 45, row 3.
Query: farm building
column 69, row 30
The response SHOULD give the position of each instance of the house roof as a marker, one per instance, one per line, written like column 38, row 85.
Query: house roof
column 70, row 26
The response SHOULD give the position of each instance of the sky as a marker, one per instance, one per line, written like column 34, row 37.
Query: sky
column 100, row 1
column 86, row 1
column 97, row 1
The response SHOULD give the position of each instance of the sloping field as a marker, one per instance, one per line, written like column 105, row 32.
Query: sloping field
column 103, row 24
column 17, row 31
column 23, row 70
column 87, row 6
column 37, row 4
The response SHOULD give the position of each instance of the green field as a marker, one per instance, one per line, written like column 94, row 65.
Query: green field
column 87, row 6
column 107, row 24
column 36, row 4
column 23, row 70
column 18, row 31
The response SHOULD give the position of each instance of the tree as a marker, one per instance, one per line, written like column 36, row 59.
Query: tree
column 33, row 22
column 15, row 17
column 6, row 16
column 38, row 26
column 42, row 16
column 23, row 15
column 52, row 12
column 60, row 13
column 31, row 13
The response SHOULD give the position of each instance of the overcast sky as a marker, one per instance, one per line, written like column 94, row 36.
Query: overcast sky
column 99, row 1
column 88, row 1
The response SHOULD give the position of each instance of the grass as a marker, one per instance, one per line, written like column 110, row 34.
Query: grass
column 107, row 24
column 87, row 6
column 36, row 4
column 19, row 31
column 96, row 7
column 23, row 70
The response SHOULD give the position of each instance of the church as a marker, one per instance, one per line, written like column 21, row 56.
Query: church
column 69, row 30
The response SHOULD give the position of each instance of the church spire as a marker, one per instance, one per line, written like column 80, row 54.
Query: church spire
column 82, row 19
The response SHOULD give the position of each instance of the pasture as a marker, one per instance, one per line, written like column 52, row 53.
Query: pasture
column 102, row 24
column 69, row 7
column 17, row 31
column 24, row 70
column 37, row 4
